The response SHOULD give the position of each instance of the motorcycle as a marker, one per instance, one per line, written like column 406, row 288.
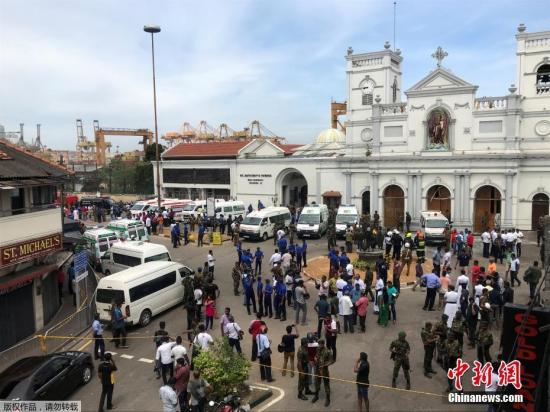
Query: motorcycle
column 231, row 403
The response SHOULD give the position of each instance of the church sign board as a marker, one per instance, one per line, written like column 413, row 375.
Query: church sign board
column 29, row 249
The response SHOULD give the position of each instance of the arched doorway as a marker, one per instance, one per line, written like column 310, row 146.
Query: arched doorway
column 487, row 207
column 365, row 202
column 293, row 188
column 394, row 206
column 439, row 198
column 540, row 207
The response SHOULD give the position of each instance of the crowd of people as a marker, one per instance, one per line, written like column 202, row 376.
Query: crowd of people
column 469, row 290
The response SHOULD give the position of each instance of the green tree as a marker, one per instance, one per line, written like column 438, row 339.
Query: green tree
column 150, row 152
column 222, row 367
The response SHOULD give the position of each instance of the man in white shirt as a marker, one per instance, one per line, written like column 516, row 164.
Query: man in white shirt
column 494, row 235
column 286, row 259
column 148, row 224
column 340, row 283
column 519, row 240
column 275, row 258
column 349, row 270
column 358, row 281
column 211, row 262
column 486, row 239
column 346, row 310
column 462, row 283
column 179, row 351
column 232, row 331
column 164, row 357
column 168, row 396
column 514, row 269
column 447, row 258
column 203, row 340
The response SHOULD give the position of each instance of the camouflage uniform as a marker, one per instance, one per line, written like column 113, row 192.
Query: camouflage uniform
column 440, row 329
column 484, row 340
column 400, row 354
column 458, row 328
column 429, row 339
column 454, row 351
column 236, row 275
column 302, row 362
column 291, row 232
column 322, row 360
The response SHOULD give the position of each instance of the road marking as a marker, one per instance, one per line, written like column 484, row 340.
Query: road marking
column 87, row 343
column 274, row 401
column 127, row 356
column 145, row 360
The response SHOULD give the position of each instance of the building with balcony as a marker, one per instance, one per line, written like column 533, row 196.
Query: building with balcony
column 30, row 236
column 480, row 160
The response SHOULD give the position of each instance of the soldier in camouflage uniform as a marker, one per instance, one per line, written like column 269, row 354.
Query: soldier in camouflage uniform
column 454, row 351
column 400, row 349
column 440, row 330
column 236, row 275
column 301, row 363
column 484, row 340
column 323, row 359
column 291, row 232
column 429, row 339
column 189, row 302
column 458, row 328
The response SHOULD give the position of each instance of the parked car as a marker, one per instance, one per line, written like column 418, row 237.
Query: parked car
column 48, row 377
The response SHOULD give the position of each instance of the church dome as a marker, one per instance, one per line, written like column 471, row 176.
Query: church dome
column 330, row 136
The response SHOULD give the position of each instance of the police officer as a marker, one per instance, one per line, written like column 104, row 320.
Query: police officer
column 454, row 351
column 429, row 339
column 302, row 361
column 440, row 330
column 400, row 349
column 323, row 359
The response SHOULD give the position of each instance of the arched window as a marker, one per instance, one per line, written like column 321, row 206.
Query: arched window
column 543, row 79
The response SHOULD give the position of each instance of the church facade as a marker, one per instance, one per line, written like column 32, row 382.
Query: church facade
column 477, row 159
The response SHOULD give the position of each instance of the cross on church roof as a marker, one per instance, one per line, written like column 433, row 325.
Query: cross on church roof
column 439, row 55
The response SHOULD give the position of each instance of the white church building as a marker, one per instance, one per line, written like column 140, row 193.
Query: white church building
column 443, row 148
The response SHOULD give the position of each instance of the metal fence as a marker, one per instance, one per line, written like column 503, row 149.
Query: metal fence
column 60, row 334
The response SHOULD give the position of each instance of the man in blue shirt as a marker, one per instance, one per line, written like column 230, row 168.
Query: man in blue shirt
column 246, row 260
column 268, row 304
column 248, row 282
column 344, row 260
column 304, row 252
column 185, row 233
column 260, row 293
column 119, row 326
column 282, row 244
column 258, row 256
column 292, row 250
column 201, row 235
column 432, row 284
column 279, row 303
column 97, row 333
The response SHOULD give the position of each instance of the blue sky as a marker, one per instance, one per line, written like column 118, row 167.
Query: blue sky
column 280, row 61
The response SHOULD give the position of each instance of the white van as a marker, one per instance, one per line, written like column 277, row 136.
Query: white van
column 347, row 215
column 124, row 255
column 129, row 229
column 98, row 242
column 259, row 224
column 313, row 221
column 146, row 291
column 235, row 208
column 138, row 208
column 434, row 223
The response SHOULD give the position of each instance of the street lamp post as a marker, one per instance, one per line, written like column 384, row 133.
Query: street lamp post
column 153, row 30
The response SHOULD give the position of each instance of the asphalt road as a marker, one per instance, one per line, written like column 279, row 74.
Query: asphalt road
column 136, row 388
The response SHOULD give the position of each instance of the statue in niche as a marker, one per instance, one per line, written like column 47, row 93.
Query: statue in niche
column 438, row 130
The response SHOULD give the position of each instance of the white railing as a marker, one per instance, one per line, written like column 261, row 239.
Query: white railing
column 490, row 103
column 393, row 109
column 542, row 42
column 367, row 62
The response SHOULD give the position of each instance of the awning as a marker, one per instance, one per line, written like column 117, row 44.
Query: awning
column 332, row 193
column 24, row 276
column 35, row 181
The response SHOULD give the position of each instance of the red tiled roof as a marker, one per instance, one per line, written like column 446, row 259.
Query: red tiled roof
column 332, row 193
column 205, row 150
column 215, row 150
